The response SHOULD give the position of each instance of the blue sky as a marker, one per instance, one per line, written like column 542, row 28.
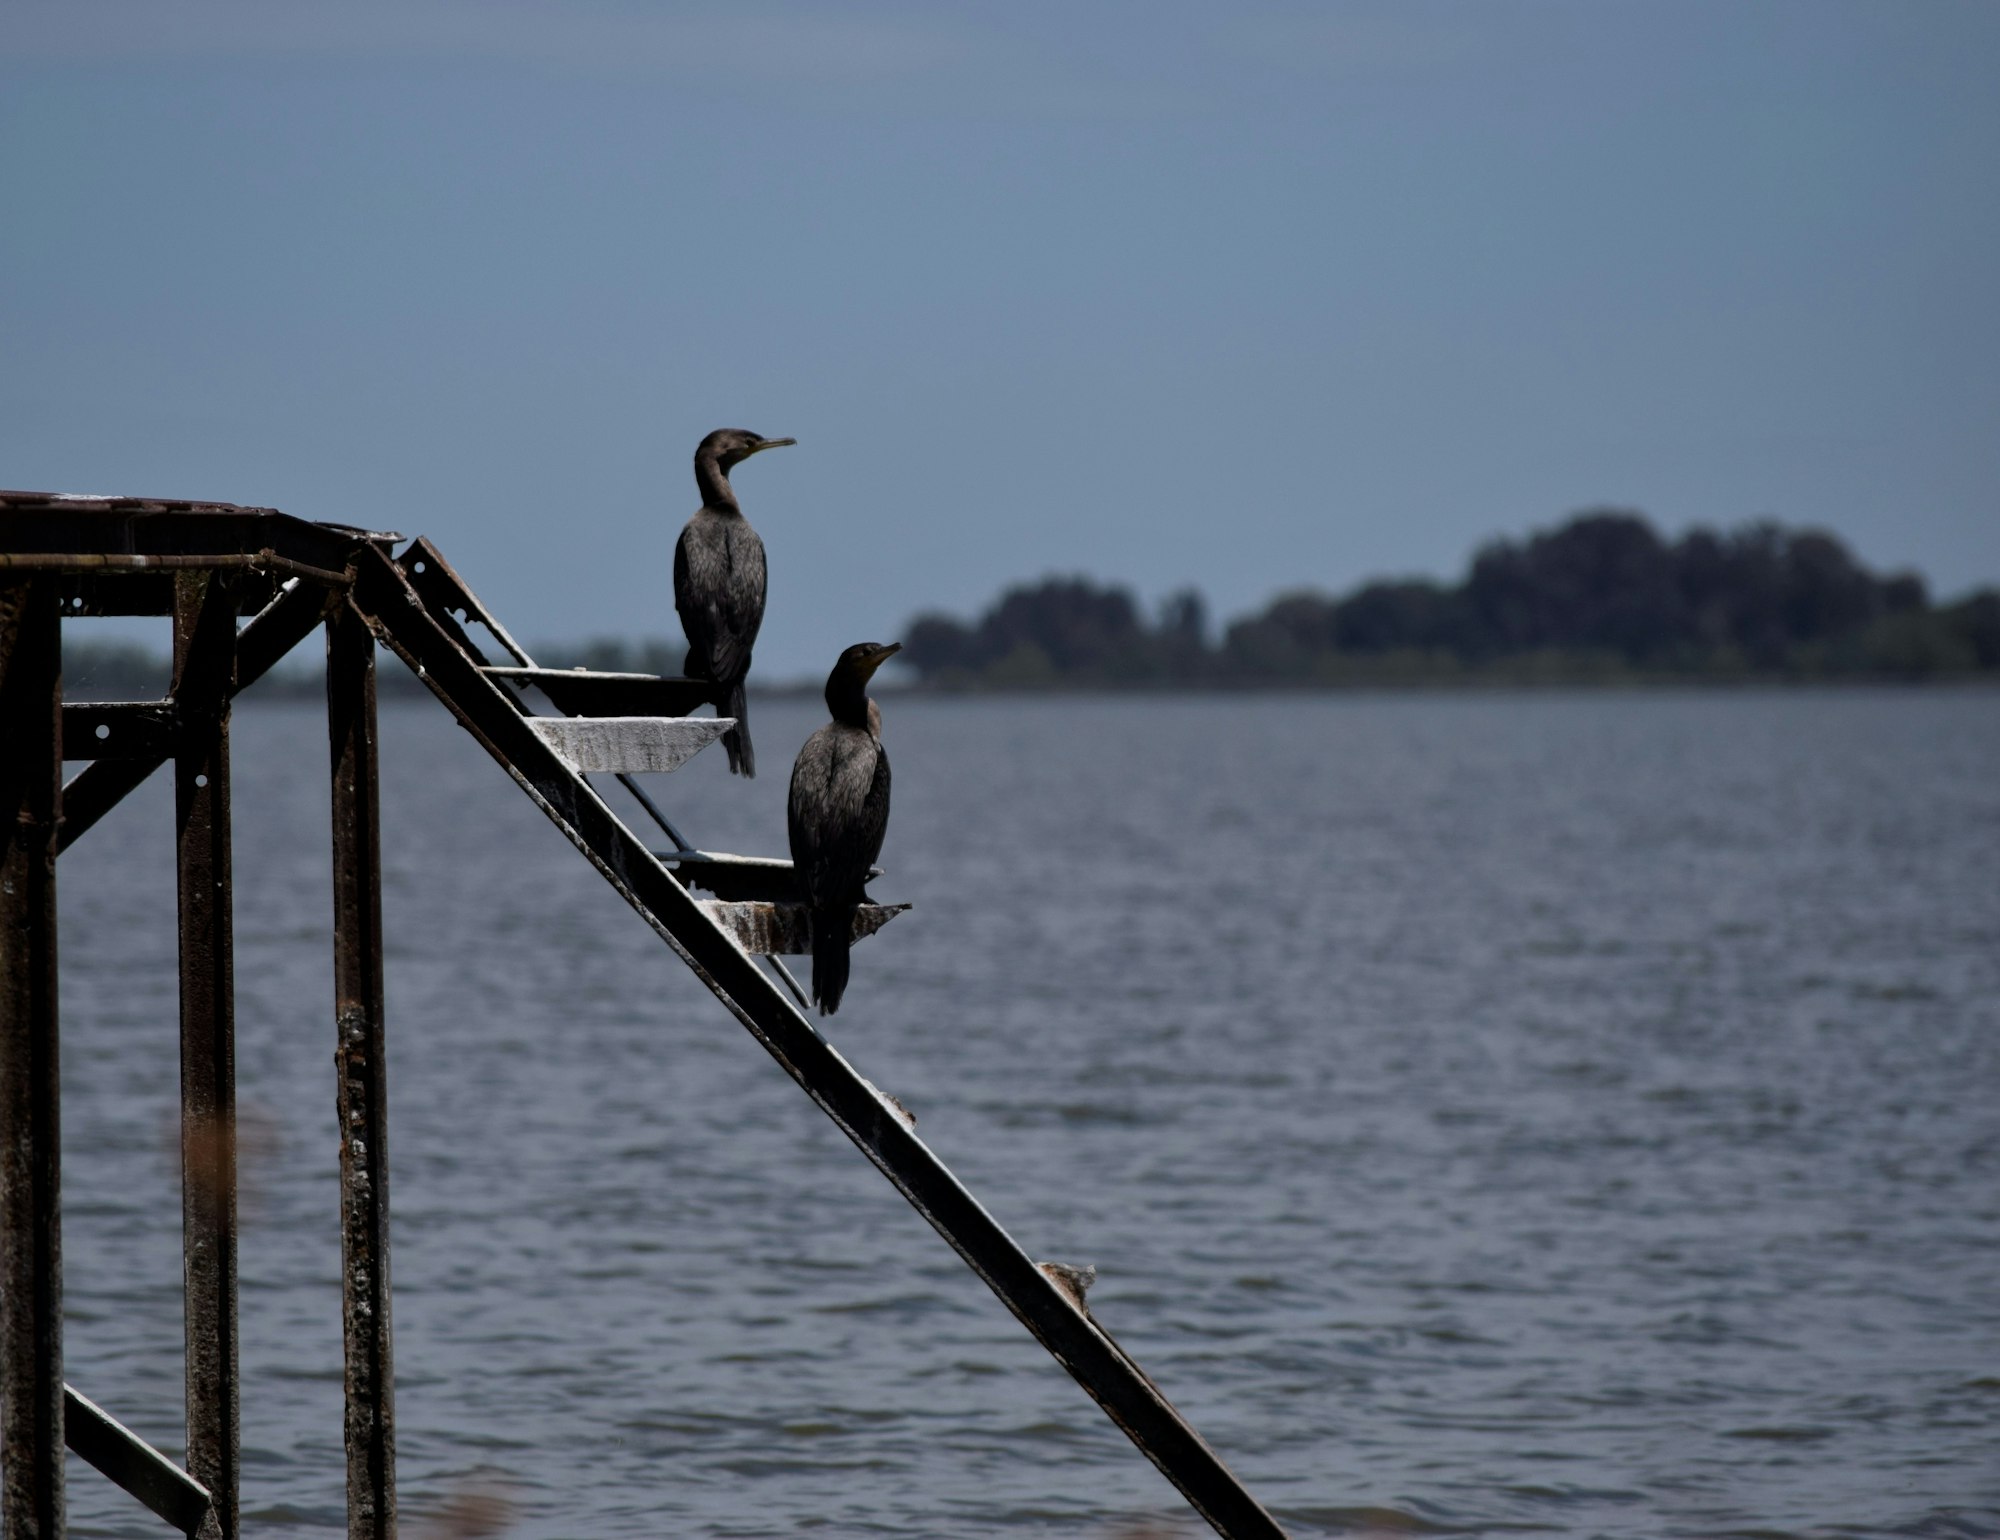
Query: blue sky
column 1252, row 298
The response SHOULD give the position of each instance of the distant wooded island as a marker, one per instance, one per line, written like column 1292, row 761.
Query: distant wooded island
column 1601, row 598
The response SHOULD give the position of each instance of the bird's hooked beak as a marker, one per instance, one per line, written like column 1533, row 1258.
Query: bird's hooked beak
column 877, row 656
column 767, row 443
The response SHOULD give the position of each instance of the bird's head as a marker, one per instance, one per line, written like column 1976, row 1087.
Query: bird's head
column 865, row 659
column 847, row 685
column 728, row 447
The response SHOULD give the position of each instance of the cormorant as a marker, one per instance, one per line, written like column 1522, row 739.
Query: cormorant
column 838, row 813
column 719, row 583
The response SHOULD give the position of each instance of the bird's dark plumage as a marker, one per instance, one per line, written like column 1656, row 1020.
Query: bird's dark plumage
column 837, row 814
column 719, row 583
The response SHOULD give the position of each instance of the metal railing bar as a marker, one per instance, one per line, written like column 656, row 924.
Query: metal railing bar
column 132, row 1464
column 791, row 983
column 652, row 808
column 85, row 561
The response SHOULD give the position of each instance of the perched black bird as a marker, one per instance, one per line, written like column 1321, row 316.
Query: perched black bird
column 838, row 813
column 719, row 583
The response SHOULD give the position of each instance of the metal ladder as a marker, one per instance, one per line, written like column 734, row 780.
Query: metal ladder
column 419, row 608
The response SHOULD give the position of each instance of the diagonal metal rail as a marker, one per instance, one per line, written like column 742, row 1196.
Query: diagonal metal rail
column 382, row 594
column 132, row 1463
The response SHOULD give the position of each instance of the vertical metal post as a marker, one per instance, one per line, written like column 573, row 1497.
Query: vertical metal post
column 363, row 1087
column 204, row 676
column 31, row 1371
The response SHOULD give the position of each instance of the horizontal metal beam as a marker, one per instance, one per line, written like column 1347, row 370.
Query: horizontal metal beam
column 132, row 1463
column 101, row 590
column 265, row 560
column 783, row 930
column 1051, row 1312
column 142, row 532
column 118, row 729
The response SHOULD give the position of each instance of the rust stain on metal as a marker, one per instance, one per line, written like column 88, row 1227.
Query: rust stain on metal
column 903, row 1114
column 1074, row 1282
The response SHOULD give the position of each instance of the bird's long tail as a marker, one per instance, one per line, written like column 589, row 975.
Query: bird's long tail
column 833, row 933
column 742, row 758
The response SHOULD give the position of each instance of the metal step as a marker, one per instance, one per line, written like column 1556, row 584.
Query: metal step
column 765, row 930
column 578, row 692
column 739, row 879
column 628, row 745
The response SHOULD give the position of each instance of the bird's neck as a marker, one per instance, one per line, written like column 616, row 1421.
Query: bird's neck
column 713, row 480
column 848, row 701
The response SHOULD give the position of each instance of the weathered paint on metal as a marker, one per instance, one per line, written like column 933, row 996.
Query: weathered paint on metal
column 204, row 681
column 135, row 1465
column 31, row 1369
column 361, row 1097
column 629, row 745
column 783, row 930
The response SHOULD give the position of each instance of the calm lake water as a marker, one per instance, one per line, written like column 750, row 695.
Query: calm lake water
column 1568, row 1114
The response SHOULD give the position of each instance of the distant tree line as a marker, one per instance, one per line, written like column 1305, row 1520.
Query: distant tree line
column 1600, row 597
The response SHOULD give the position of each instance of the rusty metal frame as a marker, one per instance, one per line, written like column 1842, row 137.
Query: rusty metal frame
column 31, row 1372
column 202, row 564
column 361, row 1071
column 204, row 680
column 212, row 560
